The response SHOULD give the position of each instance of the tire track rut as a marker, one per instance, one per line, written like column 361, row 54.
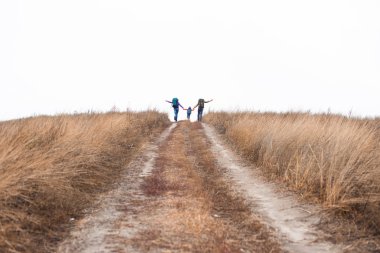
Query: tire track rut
column 294, row 222
column 117, row 211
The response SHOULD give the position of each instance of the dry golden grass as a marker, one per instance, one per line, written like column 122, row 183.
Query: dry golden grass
column 333, row 158
column 51, row 168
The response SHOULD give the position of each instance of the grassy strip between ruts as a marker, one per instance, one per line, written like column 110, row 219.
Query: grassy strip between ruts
column 52, row 168
column 191, row 207
column 332, row 159
column 245, row 229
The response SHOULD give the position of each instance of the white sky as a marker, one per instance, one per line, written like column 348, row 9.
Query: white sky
column 74, row 55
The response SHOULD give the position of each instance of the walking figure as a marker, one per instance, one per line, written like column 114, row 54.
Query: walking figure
column 175, row 104
column 189, row 110
column 201, row 106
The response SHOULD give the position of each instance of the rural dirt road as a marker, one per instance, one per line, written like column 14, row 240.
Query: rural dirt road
column 188, row 192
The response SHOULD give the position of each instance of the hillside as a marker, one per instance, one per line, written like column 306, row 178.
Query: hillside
column 51, row 169
column 239, row 182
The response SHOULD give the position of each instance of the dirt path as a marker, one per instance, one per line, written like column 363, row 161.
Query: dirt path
column 95, row 232
column 183, row 196
column 295, row 222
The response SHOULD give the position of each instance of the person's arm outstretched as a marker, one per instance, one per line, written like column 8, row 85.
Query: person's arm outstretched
column 181, row 106
column 170, row 102
column 209, row 101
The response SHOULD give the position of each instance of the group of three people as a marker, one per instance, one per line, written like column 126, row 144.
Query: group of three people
column 201, row 105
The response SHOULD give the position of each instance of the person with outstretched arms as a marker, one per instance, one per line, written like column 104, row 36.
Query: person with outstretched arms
column 175, row 104
column 201, row 106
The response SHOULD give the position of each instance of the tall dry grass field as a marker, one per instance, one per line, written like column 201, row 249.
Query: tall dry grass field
column 51, row 169
column 331, row 157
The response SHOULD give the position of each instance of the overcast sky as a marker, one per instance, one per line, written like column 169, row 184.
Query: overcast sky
column 74, row 55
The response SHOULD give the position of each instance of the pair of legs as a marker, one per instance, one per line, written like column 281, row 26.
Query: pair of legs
column 200, row 113
column 176, row 114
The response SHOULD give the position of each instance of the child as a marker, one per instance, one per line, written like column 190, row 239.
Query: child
column 189, row 110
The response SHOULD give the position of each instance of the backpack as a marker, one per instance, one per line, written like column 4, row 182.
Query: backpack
column 201, row 103
column 175, row 102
